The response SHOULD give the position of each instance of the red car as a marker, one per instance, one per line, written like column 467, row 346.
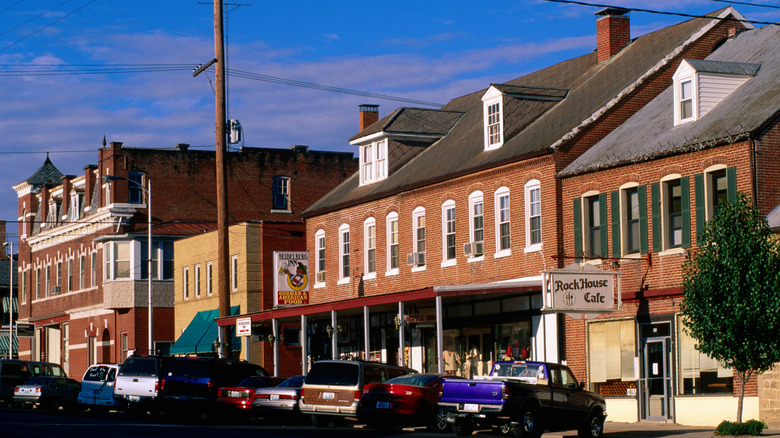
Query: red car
column 238, row 399
column 408, row 400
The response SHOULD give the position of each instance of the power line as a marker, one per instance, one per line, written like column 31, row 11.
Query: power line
column 48, row 25
column 652, row 11
column 33, row 18
column 746, row 4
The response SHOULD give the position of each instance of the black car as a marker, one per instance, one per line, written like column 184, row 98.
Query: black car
column 191, row 384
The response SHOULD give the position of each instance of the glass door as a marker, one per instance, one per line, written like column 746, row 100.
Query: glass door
column 656, row 379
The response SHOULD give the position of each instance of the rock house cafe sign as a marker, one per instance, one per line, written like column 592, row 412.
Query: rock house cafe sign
column 576, row 289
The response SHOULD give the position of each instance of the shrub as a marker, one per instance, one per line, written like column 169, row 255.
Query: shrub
column 750, row 427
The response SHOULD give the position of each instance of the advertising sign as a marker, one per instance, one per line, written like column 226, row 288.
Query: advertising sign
column 576, row 289
column 291, row 278
column 243, row 326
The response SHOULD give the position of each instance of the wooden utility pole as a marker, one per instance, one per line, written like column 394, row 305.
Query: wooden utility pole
column 223, row 244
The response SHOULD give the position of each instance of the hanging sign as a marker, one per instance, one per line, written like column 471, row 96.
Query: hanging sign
column 580, row 289
column 291, row 278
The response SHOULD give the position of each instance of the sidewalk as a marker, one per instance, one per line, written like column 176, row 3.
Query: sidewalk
column 653, row 430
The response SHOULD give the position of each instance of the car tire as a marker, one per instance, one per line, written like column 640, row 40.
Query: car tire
column 503, row 429
column 594, row 427
column 439, row 423
column 463, row 428
column 529, row 424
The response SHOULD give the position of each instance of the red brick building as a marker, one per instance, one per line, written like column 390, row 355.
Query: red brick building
column 83, row 241
column 439, row 241
column 635, row 202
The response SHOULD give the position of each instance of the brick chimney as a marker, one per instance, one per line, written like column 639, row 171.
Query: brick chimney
column 612, row 32
column 369, row 114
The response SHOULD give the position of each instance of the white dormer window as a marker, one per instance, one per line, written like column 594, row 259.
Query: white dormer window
column 373, row 162
column 700, row 84
column 493, row 118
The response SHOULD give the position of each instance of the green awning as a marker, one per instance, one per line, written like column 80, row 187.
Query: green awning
column 200, row 334
column 5, row 305
column 4, row 345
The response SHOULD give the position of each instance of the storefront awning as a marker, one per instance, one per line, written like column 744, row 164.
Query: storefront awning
column 200, row 334
column 4, row 345
column 5, row 305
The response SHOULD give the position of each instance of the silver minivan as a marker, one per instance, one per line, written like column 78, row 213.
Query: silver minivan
column 97, row 387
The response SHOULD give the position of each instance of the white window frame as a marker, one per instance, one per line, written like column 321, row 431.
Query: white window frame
column 666, row 231
column 344, row 242
column 625, row 229
column 234, row 272
column 448, row 228
column 502, row 217
column 685, row 75
column 710, row 188
column 391, row 225
column 280, row 186
column 369, row 248
column 185, row 281
column 493, row 121
column 209, row 278
column 82, row 271
column 373, row 162
column 196, row 282
column 530, row 212
column 419, row 243
column 587, row 212
column 319, row 257
column 476, row 198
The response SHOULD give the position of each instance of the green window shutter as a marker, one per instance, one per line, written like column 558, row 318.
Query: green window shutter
column 577, row 230
column 701, row 219
column 655, row 206
column 685, row 187
column 642, row 192
column 604, row 229
column 731, row 178
column 615, row 223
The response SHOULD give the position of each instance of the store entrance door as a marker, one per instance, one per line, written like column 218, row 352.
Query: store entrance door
column 478, row 351
column 656, row 378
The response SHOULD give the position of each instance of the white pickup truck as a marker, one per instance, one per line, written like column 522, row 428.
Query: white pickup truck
column 138, row 381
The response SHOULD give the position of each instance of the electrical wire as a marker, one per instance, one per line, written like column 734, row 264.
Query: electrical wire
column 652, row 11
column 48, row 25
column 746, row 4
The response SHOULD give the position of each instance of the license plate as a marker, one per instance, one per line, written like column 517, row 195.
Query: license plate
column 383, row 405
column 234, row 394
column 471, row 407
column 274, row 397
column 328, row 395
column 134, row 398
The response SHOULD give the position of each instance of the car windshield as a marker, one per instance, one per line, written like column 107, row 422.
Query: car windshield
column 333, row 373
column 413, row 379
column 292, row 382
column 256, row 382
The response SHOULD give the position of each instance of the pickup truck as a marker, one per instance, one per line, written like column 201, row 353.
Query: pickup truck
column 137, row 382
column 524, row 398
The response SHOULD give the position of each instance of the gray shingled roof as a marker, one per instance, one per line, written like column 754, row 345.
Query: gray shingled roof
column 532, row 125
column 724, row 67
column 46, row 175
column 650, row 133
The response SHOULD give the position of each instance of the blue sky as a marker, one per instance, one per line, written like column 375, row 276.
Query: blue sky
column 429, row 50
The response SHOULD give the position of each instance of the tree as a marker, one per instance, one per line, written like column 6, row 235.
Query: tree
column 731, row 298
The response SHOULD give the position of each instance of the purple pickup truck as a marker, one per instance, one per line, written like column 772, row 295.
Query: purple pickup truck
column 524, row 398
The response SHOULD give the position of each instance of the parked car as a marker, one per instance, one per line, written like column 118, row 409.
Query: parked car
column 137, row 383
column 14, row 372
column 280, row 400
column 332, row 389
column 409, row 400
column 190, row 384
column 237, row 400
column 48, row 392
column 97, row 387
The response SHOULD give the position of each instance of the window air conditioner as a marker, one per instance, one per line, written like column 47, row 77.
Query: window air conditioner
column 55, row 290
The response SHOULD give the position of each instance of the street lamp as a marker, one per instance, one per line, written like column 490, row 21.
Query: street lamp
column 10, row 301
column 111, row 178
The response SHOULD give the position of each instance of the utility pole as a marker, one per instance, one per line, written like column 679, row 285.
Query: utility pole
column 223, row 244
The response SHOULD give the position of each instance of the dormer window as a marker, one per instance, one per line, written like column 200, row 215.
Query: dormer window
column 373, row 162
column 700, row 84
column 493, row 118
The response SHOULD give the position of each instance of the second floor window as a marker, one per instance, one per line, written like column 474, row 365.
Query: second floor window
column 197, row 281
column 673, row 214
column 392, row 242
column 135, row 194
column 281, row 193
column 209, row 278
column 344, row 252
column 418, row 218
column 448, row 215
column 631, row 221
column 234, row 272
column 370, row 246
column 503, row 241
column 595, row 220
column 477, row 224
column 319, row 245
column 533, row 214
column 185, row 283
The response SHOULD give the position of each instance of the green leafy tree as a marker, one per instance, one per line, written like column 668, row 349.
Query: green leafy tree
column 731, row 287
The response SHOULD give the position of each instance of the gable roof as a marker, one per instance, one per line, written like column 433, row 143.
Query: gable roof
column 723, row 67
column 650, row 133
column 583, row 89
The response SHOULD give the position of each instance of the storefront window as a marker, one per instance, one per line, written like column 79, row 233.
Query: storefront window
column 698, row 373
column 612, row 348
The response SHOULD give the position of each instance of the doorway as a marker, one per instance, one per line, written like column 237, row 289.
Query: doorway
column 656, row 379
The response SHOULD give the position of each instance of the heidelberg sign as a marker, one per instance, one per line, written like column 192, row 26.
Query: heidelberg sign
column 575, row 289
